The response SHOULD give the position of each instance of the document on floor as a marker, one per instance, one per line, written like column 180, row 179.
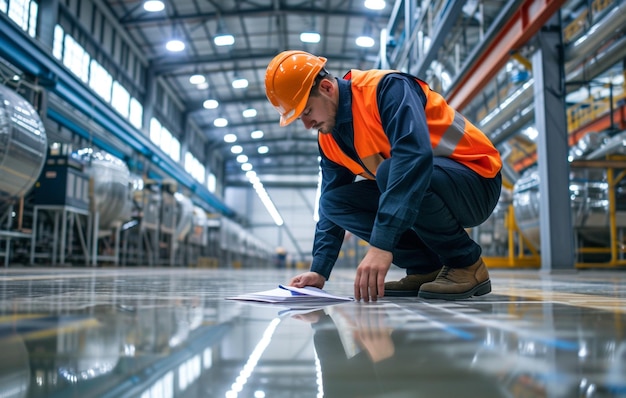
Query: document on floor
column 290, row 295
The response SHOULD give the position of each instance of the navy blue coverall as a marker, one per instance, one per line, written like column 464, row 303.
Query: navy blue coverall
column 418, row 206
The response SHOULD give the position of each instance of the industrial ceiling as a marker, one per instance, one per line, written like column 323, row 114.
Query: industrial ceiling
column 261, row 29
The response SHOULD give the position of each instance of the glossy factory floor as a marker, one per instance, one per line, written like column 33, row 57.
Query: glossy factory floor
column 146, row 332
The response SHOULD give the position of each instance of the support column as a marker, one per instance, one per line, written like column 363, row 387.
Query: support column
column 555, row 221
column 149, row 99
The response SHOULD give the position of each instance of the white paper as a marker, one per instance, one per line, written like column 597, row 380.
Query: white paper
column 289, row 295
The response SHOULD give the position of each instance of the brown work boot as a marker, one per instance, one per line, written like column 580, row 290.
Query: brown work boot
column 458, row 283
column 409, row 286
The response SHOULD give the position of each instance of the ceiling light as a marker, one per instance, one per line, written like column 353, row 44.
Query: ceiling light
column 256, row 134
column 230, row 138
column 310, row 37
column 220, row 122
column 224, row 40
column 242, row 158
column 240, row 83
column 197, row 79
column 153, row 5
column 246, row 167
column 210, row 104
column 175, row 45
column 202, row 86
column 250, row 112
column 236, row 149
column 263, row 149
column 365, row 41
column 375, row 4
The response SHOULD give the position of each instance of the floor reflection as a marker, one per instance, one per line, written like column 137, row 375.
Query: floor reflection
column 170, row 333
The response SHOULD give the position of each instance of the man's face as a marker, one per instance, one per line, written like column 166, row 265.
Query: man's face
column 320, row 110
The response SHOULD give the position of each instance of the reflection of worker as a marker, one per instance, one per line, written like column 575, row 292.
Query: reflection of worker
column 366, row 330
column 427, row 172
column 363, row 354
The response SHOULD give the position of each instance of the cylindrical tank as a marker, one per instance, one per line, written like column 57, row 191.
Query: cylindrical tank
column 184, row 215
column 111, row 181
column 23, row 146
column 588, row 197
column 199, row 233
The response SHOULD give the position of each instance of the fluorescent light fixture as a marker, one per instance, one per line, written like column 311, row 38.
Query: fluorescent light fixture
column 365, row 41
column 242, row 158
column 224, row 40
column 375, row 4
column 263, row 149
column 210, row 104
column 251, row 174
column 153, row 5
column 250, row 112
column 230, row 138
column 220, row 122
column 310, row 37
column 246, row 167
column 240, row 83
column 236, row 149
column 256, row 134
column 175, row 45
column 197, row 79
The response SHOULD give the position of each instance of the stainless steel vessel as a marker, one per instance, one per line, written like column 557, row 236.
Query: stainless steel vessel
column 23, row 146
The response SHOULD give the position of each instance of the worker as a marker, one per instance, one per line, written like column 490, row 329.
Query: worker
column 401, row 169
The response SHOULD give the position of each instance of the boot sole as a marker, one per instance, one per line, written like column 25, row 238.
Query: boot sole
column 401, row 293
column 479, row 290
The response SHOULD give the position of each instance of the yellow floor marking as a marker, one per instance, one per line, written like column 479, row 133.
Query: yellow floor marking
column 606, row 303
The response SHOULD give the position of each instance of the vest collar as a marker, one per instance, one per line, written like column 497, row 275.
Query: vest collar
column 344, row 108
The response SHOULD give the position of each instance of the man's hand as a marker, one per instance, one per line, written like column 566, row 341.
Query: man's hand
column 308, row 279
column 370, row 274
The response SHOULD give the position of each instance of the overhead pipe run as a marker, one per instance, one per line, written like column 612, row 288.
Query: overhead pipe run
column 612, row 23
column 575, row 55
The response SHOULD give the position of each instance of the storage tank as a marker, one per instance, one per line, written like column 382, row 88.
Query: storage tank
column 199, row 233
column 111, row 186
column 588, row 194
column 23, row 147
column 184, row 213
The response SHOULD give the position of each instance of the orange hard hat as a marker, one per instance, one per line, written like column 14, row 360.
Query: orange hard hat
column 288, row 81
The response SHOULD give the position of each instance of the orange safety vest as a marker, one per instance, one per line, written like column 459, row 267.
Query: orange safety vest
column 451, row 135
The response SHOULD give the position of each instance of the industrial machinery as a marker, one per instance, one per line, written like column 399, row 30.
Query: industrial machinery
column 110, row 197
column 23, row 147
column 592, row 189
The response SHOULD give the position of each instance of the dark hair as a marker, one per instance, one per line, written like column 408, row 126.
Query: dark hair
column 324, row 74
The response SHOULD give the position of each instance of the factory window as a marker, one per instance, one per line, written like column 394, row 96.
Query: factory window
column 57, row 45
column 76, row 58
column 166, row 139
column 121, row 99
column 136, row 113
column 194, row 167
column 100, row 80
column 174, row 149
column 155, row 131
column 212, row 183
column 23, row 13
column 162, row 138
